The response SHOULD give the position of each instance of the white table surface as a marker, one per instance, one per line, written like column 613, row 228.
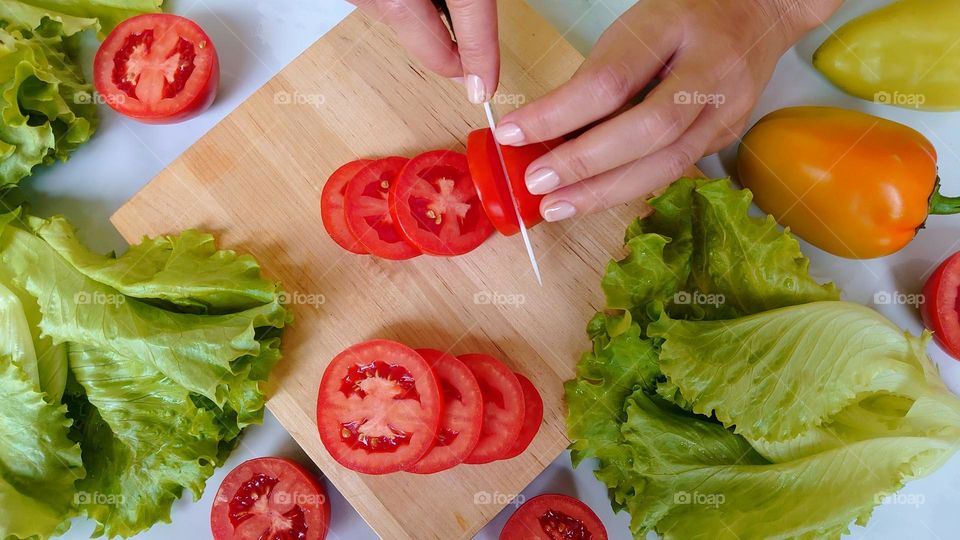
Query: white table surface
column 258, row 38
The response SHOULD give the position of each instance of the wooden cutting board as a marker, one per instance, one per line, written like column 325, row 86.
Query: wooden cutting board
column 255, row 179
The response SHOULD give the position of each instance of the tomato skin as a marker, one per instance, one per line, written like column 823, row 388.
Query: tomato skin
column 295, row 494
column 940, row 307
column 371, row 389
column 532, row 417
column 367, row 210
column 503, row 408
column 527, row 523
column 331, row 206
column 198, row 93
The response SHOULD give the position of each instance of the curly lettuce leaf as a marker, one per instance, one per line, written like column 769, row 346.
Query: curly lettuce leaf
column 76, row 15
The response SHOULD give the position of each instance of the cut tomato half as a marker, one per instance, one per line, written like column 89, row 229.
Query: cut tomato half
column 270, row 498
column 462, row 413
column 157, row 68
column 503, row 407
column 532, row 417
column 487, row 174
column 436, row 205
column 941, row 305
column 368, row 213
column 331, row 206
column 378, row 408
column 554, row 517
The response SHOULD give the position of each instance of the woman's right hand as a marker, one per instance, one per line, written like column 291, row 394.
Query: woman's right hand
column 475, row 56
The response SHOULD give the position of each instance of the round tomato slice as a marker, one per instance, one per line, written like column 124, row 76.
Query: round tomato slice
column 331, row 206
column 553, row 517
column 532, row 417
column 368, row 214
column 941, row 305
column 503, row 407
column 157, row 68
column 487, row 174
column 462, row 413
column 436, row 205
column 270, row 498
column 379, row 406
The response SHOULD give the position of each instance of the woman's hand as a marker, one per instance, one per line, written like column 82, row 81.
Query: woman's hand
column 712, row 58
column 475, row 56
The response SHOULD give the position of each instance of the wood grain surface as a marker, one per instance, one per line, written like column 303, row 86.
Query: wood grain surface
column 255, row 179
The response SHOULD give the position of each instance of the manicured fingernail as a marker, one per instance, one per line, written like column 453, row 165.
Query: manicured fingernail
column 476, row 93
column 542, row 181
column 559, row 211
column 509, row 134
column 458, row 80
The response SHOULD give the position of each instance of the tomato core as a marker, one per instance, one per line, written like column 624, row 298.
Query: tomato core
column 560, row 526
column 142, row 56
column 377, row 381
column 251, row 500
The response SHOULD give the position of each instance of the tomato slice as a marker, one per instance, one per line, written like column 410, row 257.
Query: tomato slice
column 553, row 517
column 436, row 205
column 488, row 178
column 503, row 407
column 331, row 206
column 270, row 498
column 532, row 417
column 462, row 413
column 157, row 68
column 368, row 214
column 378, row 408
column 941, row 305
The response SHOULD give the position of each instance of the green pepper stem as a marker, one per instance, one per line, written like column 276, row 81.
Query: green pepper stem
column 941, row 205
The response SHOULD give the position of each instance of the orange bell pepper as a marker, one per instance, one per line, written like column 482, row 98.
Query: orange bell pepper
column 852, row 184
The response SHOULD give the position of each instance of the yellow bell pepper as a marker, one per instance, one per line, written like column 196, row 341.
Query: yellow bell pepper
column 905, row 54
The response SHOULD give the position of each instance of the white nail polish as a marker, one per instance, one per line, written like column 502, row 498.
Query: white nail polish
column 559, row 211
column 476, row 92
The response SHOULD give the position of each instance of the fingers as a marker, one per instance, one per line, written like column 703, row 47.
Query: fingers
column 475, row 23
column 419, row 30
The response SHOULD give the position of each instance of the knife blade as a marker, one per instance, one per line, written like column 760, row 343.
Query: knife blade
column 513, row 197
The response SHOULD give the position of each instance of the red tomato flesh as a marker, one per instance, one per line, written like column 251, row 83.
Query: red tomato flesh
column 436, row 206
column 157, row 68
column 491, row 185
column 553, row 517
column 270, row 498
column 462, row 413
column 532, row 417
column 941, row 305
column 368, row 213
column 503, row 407
column 378, row 407
column 331, row 206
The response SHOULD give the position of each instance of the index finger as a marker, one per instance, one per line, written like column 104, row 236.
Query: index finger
column 478, row 41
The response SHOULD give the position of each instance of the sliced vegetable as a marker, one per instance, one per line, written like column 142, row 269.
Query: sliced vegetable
column 462, row 413
column 436, row 206
column 532, row 417
column 270, row 498
column 378, row 407
column 503, row 407
column 157, row 68
column 332, row 206
column 368, row 213
column 941, row 305
column 554, row 517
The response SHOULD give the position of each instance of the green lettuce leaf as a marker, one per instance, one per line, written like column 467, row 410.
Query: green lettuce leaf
column 76, row 15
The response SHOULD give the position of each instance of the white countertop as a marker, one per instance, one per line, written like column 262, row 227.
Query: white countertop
column 258, row 38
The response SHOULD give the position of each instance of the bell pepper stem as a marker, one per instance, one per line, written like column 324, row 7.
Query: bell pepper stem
column 941, row 205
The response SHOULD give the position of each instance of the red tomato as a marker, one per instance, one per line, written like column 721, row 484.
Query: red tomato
column 940, row 305
column 503, row 407
column 553, row 517
column 157, row 68
column 368, row 214
column 270, row 498
column 436, row 205
column 378, row 408
column 532, row 417
column 488, row 178
column 462, row 413
column 331, row 206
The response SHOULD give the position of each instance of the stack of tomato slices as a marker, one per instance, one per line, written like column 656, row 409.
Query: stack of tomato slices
column 383, row 407
column 440, row 203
